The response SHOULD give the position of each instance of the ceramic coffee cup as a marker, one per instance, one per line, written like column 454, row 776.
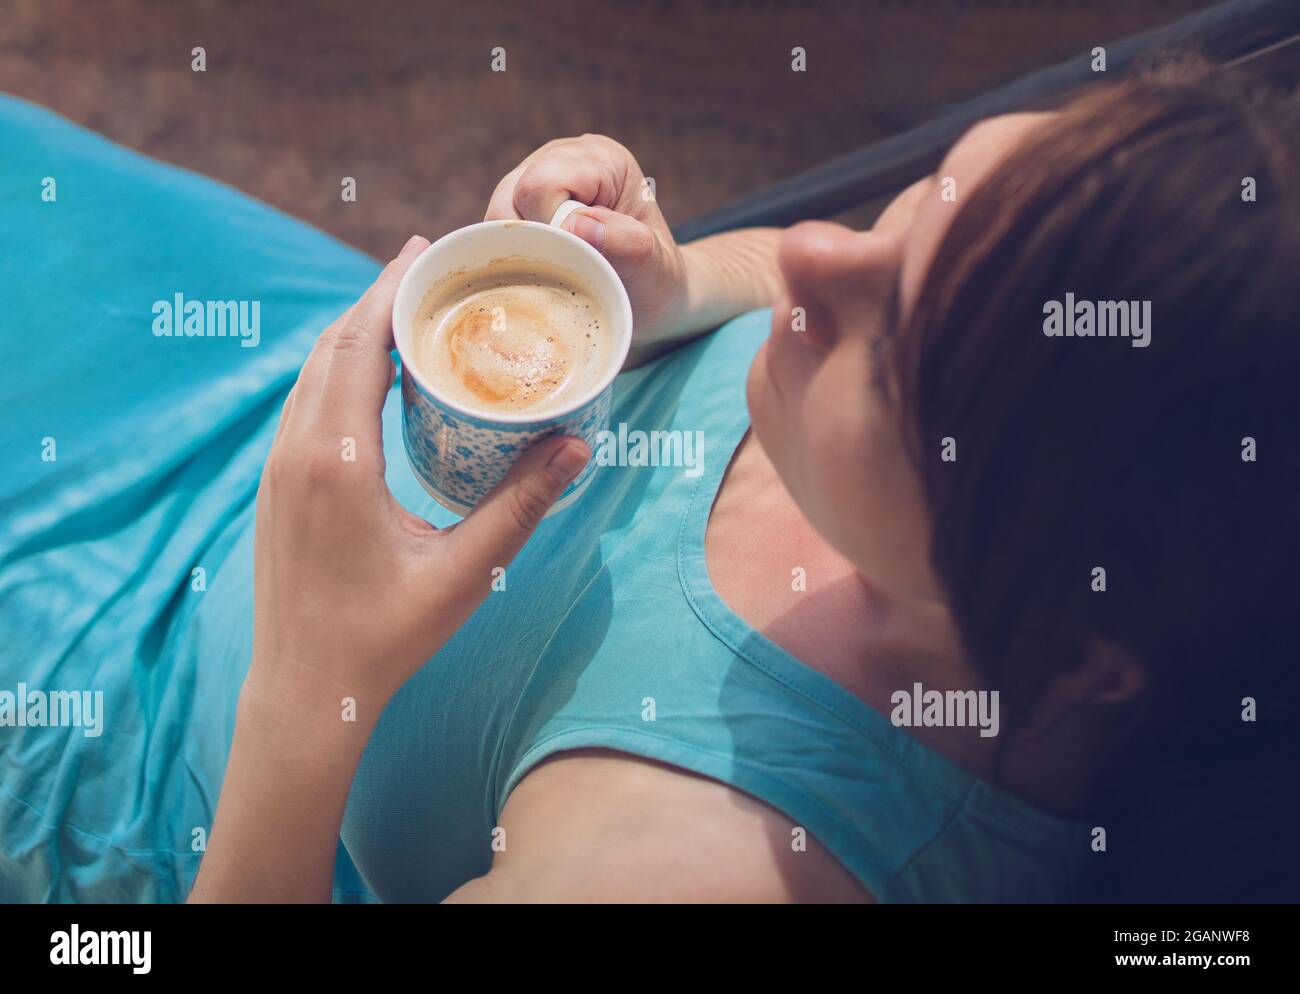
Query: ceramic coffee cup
column 457, row 452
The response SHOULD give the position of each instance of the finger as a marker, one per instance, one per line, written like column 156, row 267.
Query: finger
column 584, row 173
column 501, row 207
column 286, row 413
column 357, row 375
column 627, row 243
column 498, row 527
column 311, row 377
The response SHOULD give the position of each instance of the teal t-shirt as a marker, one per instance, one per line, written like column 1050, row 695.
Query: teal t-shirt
column 610, row 634
column 126, row 570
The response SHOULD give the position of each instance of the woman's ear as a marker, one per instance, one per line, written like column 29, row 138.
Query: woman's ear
column 1109, row 678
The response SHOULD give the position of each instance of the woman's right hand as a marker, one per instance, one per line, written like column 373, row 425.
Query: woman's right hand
column 623, row 223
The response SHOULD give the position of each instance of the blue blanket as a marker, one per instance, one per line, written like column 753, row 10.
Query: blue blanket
column 130, row 462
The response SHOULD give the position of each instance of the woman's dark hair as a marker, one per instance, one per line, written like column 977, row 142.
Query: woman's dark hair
column 1175, row 467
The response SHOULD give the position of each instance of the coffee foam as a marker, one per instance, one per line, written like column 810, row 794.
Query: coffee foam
column 516, row 336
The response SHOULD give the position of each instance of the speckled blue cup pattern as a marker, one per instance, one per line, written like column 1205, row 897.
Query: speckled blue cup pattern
column 460, row 454
column 460, row 458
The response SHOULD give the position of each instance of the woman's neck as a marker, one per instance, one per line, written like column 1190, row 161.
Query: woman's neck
column 772, row 568
column 769, row 564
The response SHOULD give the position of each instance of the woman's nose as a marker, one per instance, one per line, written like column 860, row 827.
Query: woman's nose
column 828, row 266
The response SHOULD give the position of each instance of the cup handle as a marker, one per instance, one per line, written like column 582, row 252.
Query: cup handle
column 564, row 210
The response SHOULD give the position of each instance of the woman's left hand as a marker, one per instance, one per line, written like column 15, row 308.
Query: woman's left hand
column 353, row 593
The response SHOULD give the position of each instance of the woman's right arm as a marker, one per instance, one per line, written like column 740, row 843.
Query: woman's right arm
column 726, row 274
column 676, row 292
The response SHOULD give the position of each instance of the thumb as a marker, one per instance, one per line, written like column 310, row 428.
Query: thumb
column 626, row 242
column 503, row 520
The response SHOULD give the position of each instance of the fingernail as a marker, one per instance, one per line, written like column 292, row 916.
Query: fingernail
column 588, row 229
column 566, row 463
column 410, row 244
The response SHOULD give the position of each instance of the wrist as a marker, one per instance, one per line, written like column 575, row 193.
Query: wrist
column 727, row 275
column 699, row 287
column 291, row 767
column 300, row 711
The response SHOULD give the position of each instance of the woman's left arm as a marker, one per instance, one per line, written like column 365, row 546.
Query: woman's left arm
column 352, row 595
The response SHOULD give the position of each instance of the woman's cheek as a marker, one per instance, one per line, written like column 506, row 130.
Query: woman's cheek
column 826, row 455
column 835, row 420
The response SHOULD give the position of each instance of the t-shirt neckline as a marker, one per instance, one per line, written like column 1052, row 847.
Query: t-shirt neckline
column 956, row 784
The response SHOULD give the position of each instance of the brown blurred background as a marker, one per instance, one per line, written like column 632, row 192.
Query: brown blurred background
column 401, row 96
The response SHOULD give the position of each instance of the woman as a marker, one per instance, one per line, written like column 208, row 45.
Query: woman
column 689, row 689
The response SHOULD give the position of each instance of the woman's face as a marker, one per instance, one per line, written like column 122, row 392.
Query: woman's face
column 816, row 396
